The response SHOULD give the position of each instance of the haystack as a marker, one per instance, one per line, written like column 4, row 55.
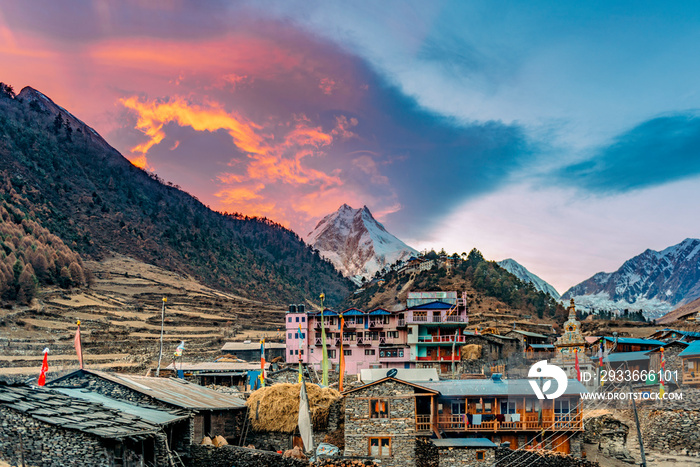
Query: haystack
column 279, row 406
column 471, row 352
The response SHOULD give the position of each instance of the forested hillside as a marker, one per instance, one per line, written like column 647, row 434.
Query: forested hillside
column 92, row 198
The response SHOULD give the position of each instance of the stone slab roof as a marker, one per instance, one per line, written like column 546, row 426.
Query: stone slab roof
column 72, row 413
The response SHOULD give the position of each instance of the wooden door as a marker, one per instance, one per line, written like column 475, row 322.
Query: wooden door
column 560, row 443
column 512, row 439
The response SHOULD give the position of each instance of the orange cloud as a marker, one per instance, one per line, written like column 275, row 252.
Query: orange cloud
column 327, row 85
column 153, row 115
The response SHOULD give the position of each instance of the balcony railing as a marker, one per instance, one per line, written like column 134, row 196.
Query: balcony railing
column 558, row 423
column 423, row 423
column 444, row 338
column 435, row 358
column 691, row 377
column 402, row 322
column 376, row 323
column 419, row 319
column 455, row 319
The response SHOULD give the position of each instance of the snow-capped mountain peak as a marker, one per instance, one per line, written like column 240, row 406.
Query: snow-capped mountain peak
column 521, row 272
column 654, row 281
column 356, row 243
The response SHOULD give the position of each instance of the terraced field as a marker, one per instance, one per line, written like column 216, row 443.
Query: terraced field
column 120, row 318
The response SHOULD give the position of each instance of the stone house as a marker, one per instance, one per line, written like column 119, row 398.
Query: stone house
column 213, row 413
column 465, row 452
column 383, row 419
column 46, row 427
column 691, row 364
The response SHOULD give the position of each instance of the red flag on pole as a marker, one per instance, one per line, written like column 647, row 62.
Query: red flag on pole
column 44, row 368
column 78, row 346
column 578, row 368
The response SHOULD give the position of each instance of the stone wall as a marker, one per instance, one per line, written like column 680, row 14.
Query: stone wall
column 465, row 457
column 671, row 425
column 210, row 456
column 48, row 445
column 505, row 456
column 400, row 426
column 610, row 435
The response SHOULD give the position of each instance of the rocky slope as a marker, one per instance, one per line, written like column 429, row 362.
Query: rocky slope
column 521, row 272
column 356, row 243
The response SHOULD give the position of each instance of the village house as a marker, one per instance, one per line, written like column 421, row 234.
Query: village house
column 243, row 375
column 499, row 410
column 625, row 344
column 691, row 364
column 250, row 351
column 527, row 338
column 669, row 335
column 46, row 427
column 213, row 413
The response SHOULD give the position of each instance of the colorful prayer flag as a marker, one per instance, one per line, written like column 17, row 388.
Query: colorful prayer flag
column 578, row 368
column 662, row 386
column 324, row 353
column 78, row 346
column 304, row 421
column 179, row 349
column 44, row 368
column 262, row 363
column 301, row 342
column 342, row 355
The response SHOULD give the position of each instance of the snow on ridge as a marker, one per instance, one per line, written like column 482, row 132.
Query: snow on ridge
column 522, row 273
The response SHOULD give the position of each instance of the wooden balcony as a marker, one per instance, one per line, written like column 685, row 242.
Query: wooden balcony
column 436, row 358
column 691, row 378
column 423, row 423
column 571, row 422
column 447, row 338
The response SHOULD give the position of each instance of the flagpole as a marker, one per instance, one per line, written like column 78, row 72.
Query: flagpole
column 324, row 361
column 162, row 325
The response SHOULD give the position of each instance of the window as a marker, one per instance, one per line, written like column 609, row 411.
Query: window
column 296, row 352
column 484, row 406
column 311, row 350
column 380, row 447
column 369, row 351
column 561, row 409
column 459, row 407
column 296, row 335
column 303, row 319
column 401, row 353
column 347, row 351
column 331, row 353
column 410, row 330
column 360, row 319
column 378, row 408
column 507, row 407
column 301, row 351
column 297, row 319
column 303, row 335
column 291, row 352
column 290, row 335
column 532, row 405
column 480, row 455
column 392, row 334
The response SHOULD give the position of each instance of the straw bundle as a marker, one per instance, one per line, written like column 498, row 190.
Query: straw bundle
column 471, row 352
column 278, row 408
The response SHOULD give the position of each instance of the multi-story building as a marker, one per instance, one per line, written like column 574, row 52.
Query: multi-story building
column 422, row 335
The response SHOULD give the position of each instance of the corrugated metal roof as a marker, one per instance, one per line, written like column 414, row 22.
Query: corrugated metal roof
column 72, row 413
column 692, row 350
column 177, row 392
column 353, row 312
column 379, row 311
column 436, row 305
column 528, row 333
column 157, row 416
column 618, row 357
column 368, row 375
column 463, row 443
column 633, row 341
column 489, row 387
column 251, row 346
column 214, row 367
column 542, row 346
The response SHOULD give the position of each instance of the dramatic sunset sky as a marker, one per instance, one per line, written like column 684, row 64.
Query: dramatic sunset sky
column 562, row 134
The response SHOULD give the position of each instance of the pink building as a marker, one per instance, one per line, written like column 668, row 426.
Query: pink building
column 421, row 336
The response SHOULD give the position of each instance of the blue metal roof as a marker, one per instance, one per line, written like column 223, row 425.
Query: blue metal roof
column 379, row 311
column 633, row 341
column 528, row 334
column 436, row 305
column 353, row 312
column 542, row 346
column 327, row 312
column 463, row 443
column 489, row 387
column 692, row 350
column 618, row 357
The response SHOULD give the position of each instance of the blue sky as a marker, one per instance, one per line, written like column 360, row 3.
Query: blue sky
column 565, row 136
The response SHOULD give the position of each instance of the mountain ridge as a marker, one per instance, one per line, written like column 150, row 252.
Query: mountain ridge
column 356, row 243
column 656, row 280
column 85, row 192
column 522, row 273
